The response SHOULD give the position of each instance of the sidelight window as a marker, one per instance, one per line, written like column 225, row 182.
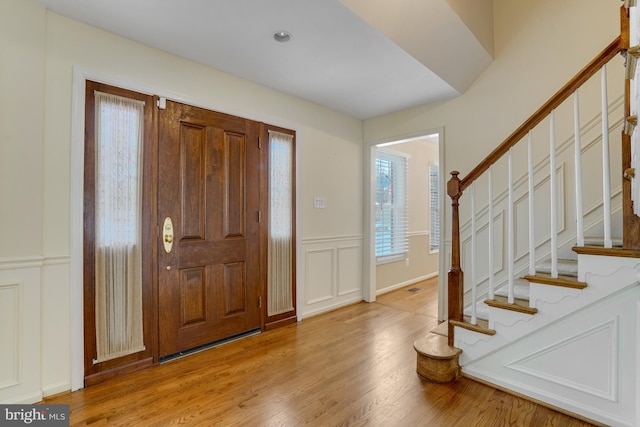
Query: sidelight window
column 118, row 254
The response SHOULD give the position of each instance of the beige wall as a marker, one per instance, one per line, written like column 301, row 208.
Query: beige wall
column 39, row 51
column 529, row 37
column 421, row 263
column 22, row 55
column 539, row 46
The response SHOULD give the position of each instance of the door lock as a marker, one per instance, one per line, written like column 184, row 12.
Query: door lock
column 167, row 233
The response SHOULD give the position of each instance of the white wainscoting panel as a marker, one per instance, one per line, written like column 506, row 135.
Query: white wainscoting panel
column 20, row 330
column 331, row 272
column 319, row 277
column 56, row 375
column 10, row 314
column 349, row 275
column 482, row 244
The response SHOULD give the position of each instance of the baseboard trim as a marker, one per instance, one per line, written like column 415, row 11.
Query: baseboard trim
column 25, row 399
column 56, row 389
column 406, row 283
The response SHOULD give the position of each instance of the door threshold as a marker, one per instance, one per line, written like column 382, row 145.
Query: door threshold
column 206, row 346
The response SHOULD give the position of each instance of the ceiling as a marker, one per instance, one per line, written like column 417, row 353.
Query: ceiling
column 364, row 58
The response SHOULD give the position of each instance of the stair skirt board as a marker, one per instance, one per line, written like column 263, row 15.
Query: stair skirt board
column 584, row 363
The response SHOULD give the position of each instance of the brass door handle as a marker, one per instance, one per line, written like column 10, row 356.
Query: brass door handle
column 167, row 232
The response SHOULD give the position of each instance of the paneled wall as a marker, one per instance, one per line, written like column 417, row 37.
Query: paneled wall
column 331, row 273
column 591, row 135
column 20, row 328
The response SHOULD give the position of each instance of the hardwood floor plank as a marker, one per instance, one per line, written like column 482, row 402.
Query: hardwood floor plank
column 351, row 367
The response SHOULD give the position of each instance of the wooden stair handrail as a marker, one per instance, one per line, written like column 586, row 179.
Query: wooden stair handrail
column 578, row 80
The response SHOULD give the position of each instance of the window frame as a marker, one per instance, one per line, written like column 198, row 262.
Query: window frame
column 399, row 243
column 434, row 213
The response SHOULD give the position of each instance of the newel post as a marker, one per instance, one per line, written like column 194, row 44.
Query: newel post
column 455, row 276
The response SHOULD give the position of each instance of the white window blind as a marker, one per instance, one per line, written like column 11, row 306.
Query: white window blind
column 434, row 207
column 391, row 205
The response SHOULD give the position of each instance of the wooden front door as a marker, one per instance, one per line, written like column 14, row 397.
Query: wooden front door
column 209, row 177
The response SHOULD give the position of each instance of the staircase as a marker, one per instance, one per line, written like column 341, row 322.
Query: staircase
column 543, row 310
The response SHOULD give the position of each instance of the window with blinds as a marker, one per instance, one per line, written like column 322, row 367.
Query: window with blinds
column 434, row 207
column 391, row 205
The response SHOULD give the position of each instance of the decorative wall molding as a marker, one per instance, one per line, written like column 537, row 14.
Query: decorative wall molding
column 21, row 330
column 499, row 227
column 331, row 239
column 319, row 268
column 19, row 263
column 10, row 334
column 596, row 347
column 349, row 279
column 543, row 164
column 580, row 356
column 57, row 260
column 331, row 272
column 34, row 261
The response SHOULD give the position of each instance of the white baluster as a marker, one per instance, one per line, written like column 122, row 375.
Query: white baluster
column 532, row 242
column 474, row 283
column 578, row 170
column 606, row 179
column 491, row 242
column 554, row 195
column 510, row 239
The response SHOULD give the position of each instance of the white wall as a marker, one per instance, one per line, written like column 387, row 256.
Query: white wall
column 39, row 52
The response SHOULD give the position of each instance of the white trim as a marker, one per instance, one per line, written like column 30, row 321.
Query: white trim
column 18, row 263
column 315, row 240
column 387, row 259
column 80, row 76
column 417, row 233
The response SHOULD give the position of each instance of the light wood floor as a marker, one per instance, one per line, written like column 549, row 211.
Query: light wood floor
column 352, row 366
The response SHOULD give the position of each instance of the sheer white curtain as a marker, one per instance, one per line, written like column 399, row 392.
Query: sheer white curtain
column 118, row 255
column 280, row 280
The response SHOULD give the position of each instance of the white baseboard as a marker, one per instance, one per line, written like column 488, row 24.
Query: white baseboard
column 331, row 307
column 25, row 399
column 406, row 283
column 55, row 389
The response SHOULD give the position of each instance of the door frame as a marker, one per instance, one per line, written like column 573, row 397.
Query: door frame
column 76, row 268
column 369, row 260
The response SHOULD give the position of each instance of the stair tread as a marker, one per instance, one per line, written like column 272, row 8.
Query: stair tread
column 481, row 326
column 520, row 306
column 436, row 346
column 599, row 250
column 564, row 281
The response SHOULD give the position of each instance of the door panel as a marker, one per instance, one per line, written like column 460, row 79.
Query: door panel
column 210, row 282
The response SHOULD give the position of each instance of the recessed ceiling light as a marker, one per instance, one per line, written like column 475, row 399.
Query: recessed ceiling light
column 282, row 36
